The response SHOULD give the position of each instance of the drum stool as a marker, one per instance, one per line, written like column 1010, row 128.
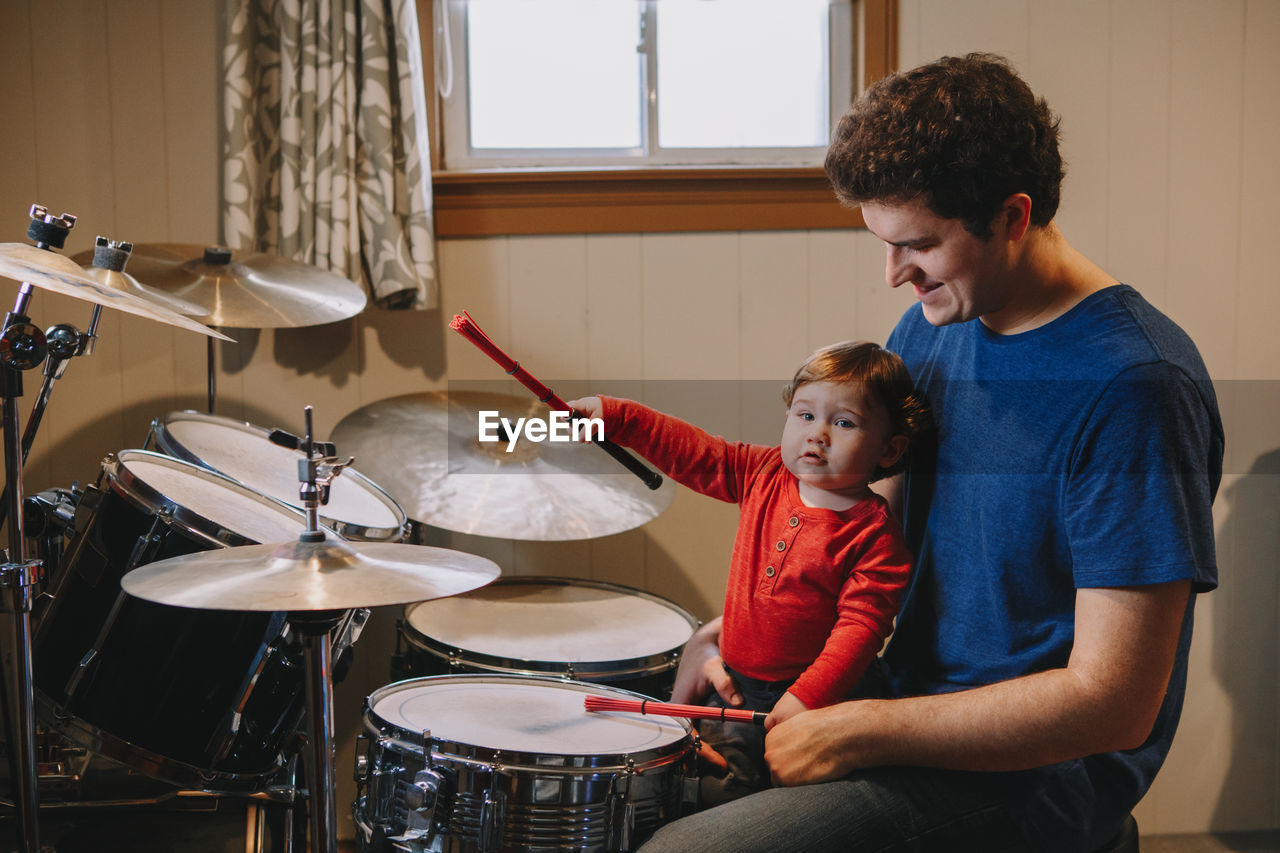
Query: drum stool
column 1126, row 840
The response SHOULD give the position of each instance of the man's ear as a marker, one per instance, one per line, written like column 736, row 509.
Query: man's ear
column 1015, row 215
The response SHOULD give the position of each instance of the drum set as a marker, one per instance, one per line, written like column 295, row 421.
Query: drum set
column 182, row 621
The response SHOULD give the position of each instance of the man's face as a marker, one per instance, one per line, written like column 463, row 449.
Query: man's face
column 955, row 275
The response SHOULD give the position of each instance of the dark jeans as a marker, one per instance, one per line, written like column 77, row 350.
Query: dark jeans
column 890, row 809
column 883, row 809
column 740, row 744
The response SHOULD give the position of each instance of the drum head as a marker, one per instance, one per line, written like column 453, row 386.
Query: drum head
column 208, row 505
column 553, row 621
column 541, row 716
column 357, row 508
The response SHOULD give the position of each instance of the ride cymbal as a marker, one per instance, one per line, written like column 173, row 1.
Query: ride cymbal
column 53, row 272
column 247, row 290
column 330, row 575
column 424, row 450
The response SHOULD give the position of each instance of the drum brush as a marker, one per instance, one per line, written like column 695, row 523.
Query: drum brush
column 693, row 712
column 464, row 325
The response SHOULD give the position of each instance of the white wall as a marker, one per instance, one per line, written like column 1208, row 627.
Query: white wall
column 1170, row 113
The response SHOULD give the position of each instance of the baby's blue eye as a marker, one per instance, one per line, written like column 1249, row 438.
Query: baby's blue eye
column 844, row 423
column 806, row 416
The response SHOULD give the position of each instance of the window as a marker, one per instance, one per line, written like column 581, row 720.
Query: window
column 691, row 180
column 643, row 82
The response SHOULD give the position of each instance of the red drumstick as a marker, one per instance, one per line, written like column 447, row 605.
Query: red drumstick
column 646, row 706
column 464, row 325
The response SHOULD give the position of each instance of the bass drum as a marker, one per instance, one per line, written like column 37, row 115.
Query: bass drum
column 481, row 763
column 205, row 699
column 357, row 508
column 576, row 629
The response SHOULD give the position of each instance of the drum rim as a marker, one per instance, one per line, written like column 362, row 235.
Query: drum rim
column 392, row 736
column 169, row 443
column 131, row 487
column 619, row 669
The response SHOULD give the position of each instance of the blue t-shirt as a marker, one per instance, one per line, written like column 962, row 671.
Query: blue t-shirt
column 1084, row 453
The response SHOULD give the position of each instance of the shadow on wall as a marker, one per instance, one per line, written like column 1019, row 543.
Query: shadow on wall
column 335, row 351
column 1246, row 643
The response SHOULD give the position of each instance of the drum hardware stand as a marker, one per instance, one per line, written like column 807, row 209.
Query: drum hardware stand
column 315, row 474
column 22, row 347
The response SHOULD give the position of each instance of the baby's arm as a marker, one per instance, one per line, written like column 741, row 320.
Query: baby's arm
column 703, row 462
column 787, row 707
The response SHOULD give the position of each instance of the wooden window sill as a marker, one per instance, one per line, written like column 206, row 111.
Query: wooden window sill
column 611, row 201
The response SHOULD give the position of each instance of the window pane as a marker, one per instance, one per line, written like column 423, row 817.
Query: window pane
column 554, row 73
column 742, row 73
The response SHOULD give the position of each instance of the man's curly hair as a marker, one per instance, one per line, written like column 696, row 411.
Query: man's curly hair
column 960, row 134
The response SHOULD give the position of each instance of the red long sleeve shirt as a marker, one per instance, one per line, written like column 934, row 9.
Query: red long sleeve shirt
column 812, row 592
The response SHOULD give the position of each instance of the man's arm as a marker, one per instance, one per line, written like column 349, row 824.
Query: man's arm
column 1106, row 698
column 890, row 488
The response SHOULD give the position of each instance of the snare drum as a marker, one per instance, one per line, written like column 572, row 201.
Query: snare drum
column 357, row 508
column 578, row 629
column 495, row 762
column 200, row 698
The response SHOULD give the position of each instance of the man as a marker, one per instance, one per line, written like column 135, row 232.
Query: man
column 1061, row 523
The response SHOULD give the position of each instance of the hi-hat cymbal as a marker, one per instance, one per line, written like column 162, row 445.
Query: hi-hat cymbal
column 329, row 575
column 51, row 271
column 247, row 290
column 424, row 450
column 123, row 281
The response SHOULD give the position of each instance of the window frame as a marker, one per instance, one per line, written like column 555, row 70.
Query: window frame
column 605, row 200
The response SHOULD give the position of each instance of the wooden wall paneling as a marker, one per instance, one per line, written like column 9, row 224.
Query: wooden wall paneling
column 834, row 287
column 548, row 308
column 18, row 131
column 1137, row 191
column 1204, row 209
column 139, row 165
column 615, row 364
column 192, row 75
column 615, row 309
column 1078, row 91
column 687, row 554
column 1257, row 354
column 474, row 277
column 691, row 306
column 774, row 303
column 879, row 307
column 399, row 352
column 942, row 28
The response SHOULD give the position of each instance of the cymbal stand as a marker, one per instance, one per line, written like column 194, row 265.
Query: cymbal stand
column 64, row 342
column 22, row 347
column 315, row 474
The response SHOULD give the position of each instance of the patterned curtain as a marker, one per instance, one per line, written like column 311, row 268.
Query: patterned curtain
column 324, row 157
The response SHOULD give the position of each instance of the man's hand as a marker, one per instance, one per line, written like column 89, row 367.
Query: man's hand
column 702, row 671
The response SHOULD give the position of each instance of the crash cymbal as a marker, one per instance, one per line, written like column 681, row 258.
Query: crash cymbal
column 127, row 283
column 424, row 450
column 247, row 290
column 51, row 271
column 329, row 575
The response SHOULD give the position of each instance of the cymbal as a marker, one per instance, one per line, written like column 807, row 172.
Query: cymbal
column 59, row 274
column 329, row 575
column 424, row 450
column 247, row 290
column 129, row 284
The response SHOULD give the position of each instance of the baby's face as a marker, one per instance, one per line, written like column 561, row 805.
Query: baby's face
column 835, row 438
